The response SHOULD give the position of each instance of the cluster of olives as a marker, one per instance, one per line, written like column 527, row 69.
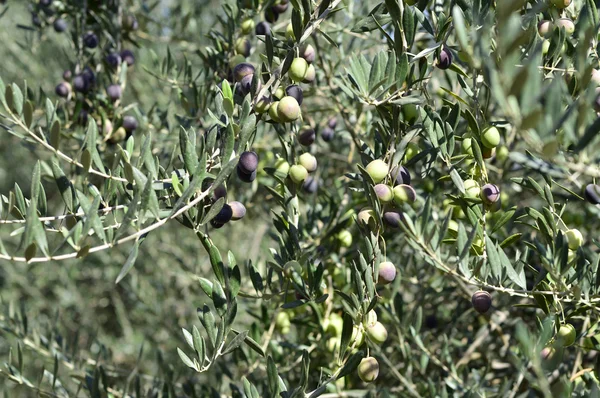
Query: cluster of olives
column 393, row 193
column 545, row 28
column 551, row 355
column 231, row 211
column 298, row 173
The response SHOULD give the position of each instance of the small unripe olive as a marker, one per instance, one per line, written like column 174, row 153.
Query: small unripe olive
column 490, row 137
column 368, row 369
column 560, row 4
column 117, row 136
column 307, row 136
column 238, row 210
column 482, row 301
column 280, row 93
column 358, row 337
column 298, row 69
column 384, row 193
column 274, row 113
column 282, row 167
column 308, row 52
column 410, row 113
column 592, row 193
column 567, row 24
column 571, row 256
column 288, row 109
column 262, row 105
column 400, row 175
column 335, row 324
column 247, row 26
column 370, row 319
column 308, row 161
column 444, row 59
column 574, row 239
column 387, row 273
column 235, row 61
column 311, row 74
column 404, row 194
column 412, row 150
column 345, row 238
column 501, row 154
column 566, row 335
column 282, row 321
column 243, row 46
column 545, row 28
column 392, row 218
column 472, row 189
column 377, row 333
column 545, row 46
column 490, row 193
column 248, row 162
column 467, row 146
column 377, row 169
column 366, row 217
column 298, row 173
column 289, row 32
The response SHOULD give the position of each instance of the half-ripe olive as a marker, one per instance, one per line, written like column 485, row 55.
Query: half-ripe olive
column 384, row 193
column 368, row 369
column 387, row 273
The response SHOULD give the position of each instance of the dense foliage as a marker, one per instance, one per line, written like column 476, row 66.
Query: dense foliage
column 299, row 198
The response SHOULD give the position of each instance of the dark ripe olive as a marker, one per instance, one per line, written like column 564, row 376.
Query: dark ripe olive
column 263, row 29
column 242, row 70
column 327, row 134
column 400, row 175
column 113, row 60
column 238, row 210
column 332, row 123
column 128, row 56
column 67, row 75
column 89, row 75
column 431, row 321
column 281, row 7
column 307, row 136
column 219, row 192
column 63, row 89
column 246, row 84
column 224, row 215
column 130, row 124
column 310, row 185
column 80, row 84
column 444, row 59
column 215, row 224
column 271, row 16
column 490, row 193
column 246, row 177
column 392, row 218
column 482, row 301
column 592, row 193
column 90, row 40
column 60, row 25
column 296, row 92
column 114, row 92
column 248, row 162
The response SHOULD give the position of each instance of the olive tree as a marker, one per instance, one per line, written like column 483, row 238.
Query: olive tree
column 301, row 198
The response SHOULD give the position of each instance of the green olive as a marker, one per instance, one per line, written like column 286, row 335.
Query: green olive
column 378, row 170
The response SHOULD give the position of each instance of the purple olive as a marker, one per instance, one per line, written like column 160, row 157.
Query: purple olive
column 238, row 210
column 90, row 40
column 444, row 59
column 130, row 124
column 392, row 218
column 592, row 194
column 80, row 84
column 327, row 134
column 248, row 162
column 67, row 75
column 296, row 92
column 263, row 29
column 242, row 70
column 400, row 175
column 63, row 89
column 128, row 56
column 216, row 224
column 482, row 301
column 114, row 92
column 224, row 215
column 60, row 25
column 310, row 185
column 306, row 136
column 245, row 177
column 113, row 60
column 490, row 193
column 387, row 273
column 332, row 123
